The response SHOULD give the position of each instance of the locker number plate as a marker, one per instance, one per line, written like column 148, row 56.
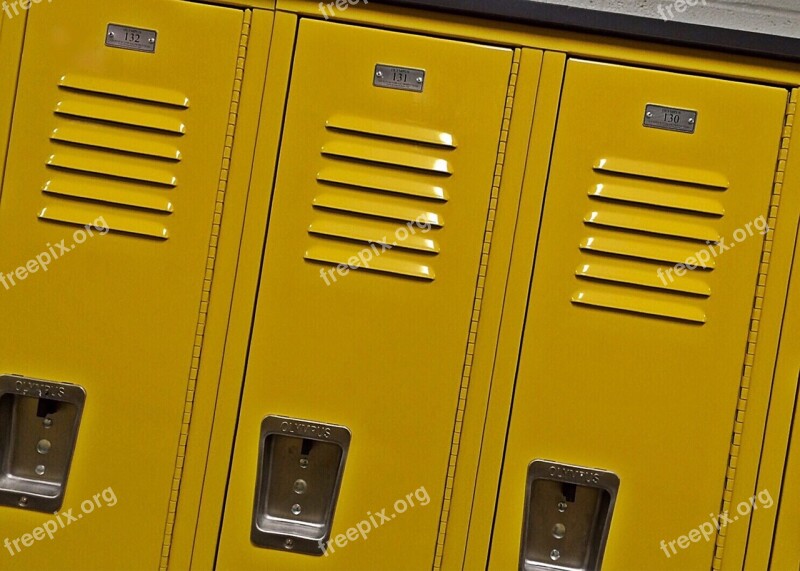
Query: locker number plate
column 670, row 118
column 129, row 38
column 403, row 78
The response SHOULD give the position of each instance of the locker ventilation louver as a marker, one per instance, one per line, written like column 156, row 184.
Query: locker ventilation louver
column 644, row 217
column 380, row 185
column 115, row 144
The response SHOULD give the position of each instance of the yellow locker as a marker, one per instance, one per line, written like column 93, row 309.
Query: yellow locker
column 378, row 234
column 638, row 320
column 110, row 213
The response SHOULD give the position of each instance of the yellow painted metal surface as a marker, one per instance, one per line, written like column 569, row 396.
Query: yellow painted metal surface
column 520, row 267
column 114, row 311
column 785, row 553
column 451, row 554
column 762, row 350
column 380, row 353
column 654, row 376
column 260, row 4
column 225, row 401
column 618, row 373
column 786, row 547
column 765, row 453
column 253, row 68
column 11, row 37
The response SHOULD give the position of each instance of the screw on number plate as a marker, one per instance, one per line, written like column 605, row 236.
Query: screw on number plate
column 378, row 74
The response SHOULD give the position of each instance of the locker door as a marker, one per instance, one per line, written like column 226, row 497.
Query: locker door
column 127, row 136
column 363, row 322
column 630, row 364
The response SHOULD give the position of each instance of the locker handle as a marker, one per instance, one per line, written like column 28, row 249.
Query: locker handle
column 39, row 423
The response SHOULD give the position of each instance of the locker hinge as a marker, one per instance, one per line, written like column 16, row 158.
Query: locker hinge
column 744, row 387
column 210, row 265
column 476, row 313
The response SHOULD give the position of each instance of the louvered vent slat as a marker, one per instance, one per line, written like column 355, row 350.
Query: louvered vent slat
column 650, row 197
column 652, row 223
column 111, row 167
column 117, row 221
column 100, row 138
column 397, row 131
column 367, row 232
column 632, row 304
column 668, row 173
column 382, row 183
column 368, row 153
column 124, row 90
column 335, row 254
column 110, row 194
column 118, row 114
column 641, row 247
column 641, row 277
column 376, row 207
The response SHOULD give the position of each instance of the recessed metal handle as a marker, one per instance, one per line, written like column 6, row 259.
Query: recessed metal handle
column 567, row 517
column 300, row 470
column 39, row 423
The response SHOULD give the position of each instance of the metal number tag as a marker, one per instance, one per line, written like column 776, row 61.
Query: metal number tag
column 670, row 118
column 402, row 78
column 128, row 38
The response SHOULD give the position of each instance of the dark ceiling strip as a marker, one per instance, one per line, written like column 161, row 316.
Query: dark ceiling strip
column 623, row 25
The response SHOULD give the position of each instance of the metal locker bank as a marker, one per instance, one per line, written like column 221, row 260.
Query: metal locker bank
column 397, row 285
